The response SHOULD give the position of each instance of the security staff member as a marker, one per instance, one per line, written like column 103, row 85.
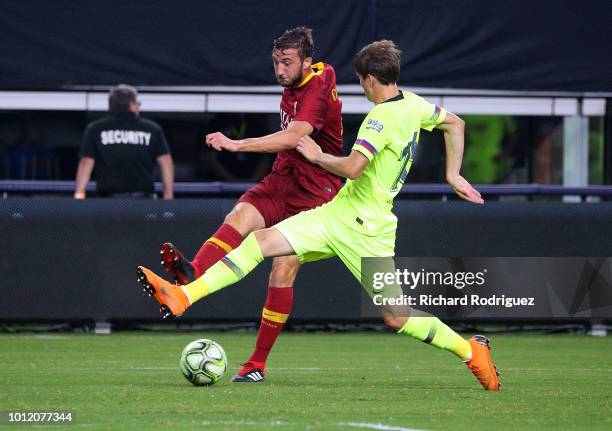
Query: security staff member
column 124, row 147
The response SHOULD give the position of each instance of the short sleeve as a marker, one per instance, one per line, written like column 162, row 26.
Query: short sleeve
column 372, row 136
column 88, row 145
column 161, row 145
column 312, row 107
column 431, row 115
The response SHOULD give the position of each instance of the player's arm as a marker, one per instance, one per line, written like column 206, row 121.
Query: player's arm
column 86, row 165
column 274, row 143
column 453, row 128
column 166, row 167
column 351, row 166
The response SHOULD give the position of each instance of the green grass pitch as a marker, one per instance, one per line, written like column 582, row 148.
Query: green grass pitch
column 316, row 381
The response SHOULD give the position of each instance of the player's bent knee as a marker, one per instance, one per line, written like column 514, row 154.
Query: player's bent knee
column 234, row 221
column 284, row 272
column 245, row 219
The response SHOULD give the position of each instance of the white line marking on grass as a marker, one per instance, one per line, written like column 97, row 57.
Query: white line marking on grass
column 317, row 369
column 392, row 369
column 245, row 423
column 151, row 368
column 382, row 427
column 290, row 368
column 557, row 369
column 306, row 369
column 49, row 337
column 386, row 368
column 446, row 368
column 277, row 368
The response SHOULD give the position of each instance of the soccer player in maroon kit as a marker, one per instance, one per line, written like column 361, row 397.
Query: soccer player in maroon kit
column 309, row 106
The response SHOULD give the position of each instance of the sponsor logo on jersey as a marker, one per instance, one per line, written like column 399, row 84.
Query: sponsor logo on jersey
column 285, row 119
column 132, row 137
column 374, row 125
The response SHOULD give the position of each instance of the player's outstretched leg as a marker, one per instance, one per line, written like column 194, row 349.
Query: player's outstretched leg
column 474, row 352
column 175, row 299
column 224, row 240
column 172, row 299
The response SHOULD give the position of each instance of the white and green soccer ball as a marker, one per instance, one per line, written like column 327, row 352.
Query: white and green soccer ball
column 203, row 362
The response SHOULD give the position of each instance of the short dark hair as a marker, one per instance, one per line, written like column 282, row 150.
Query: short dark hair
column 299, row 38
column 120, row 97
column 380, row 59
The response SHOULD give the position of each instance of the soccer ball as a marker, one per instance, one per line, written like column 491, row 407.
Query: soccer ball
column 203, row 362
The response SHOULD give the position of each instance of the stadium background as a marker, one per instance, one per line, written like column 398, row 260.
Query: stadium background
column 536, row 120
column 533, row 81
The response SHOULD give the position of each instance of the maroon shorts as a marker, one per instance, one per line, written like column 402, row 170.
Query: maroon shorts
column 278, row 197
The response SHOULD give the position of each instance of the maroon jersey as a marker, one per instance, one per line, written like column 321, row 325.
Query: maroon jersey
column 315, row 101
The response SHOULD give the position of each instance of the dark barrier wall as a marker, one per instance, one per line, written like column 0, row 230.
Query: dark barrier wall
column 66, row 259
column 519, row 44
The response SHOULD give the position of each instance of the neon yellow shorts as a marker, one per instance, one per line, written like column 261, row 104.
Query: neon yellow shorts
column 319, row 234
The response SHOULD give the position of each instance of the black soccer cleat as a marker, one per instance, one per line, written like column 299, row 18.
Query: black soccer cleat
column 255, row 375
column 176, row 265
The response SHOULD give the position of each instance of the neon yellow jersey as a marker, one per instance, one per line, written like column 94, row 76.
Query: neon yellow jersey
column 387, row 137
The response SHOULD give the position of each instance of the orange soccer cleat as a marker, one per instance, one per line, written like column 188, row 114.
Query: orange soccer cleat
column 482, row 365
column 172, row 299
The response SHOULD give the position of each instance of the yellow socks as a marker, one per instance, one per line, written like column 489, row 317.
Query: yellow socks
column 229, row 270
column 432, row 331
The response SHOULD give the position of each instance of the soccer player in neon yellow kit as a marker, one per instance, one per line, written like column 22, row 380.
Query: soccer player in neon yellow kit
column 359, row 221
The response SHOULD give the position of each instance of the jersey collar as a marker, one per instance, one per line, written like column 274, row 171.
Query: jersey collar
column 400, row 96
column 317, row 69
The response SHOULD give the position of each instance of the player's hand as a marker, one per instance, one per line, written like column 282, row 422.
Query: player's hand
column 464, row 189
column 219, row 142
column 309, row 148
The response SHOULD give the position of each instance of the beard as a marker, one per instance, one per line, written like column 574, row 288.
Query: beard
column 288, row 82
